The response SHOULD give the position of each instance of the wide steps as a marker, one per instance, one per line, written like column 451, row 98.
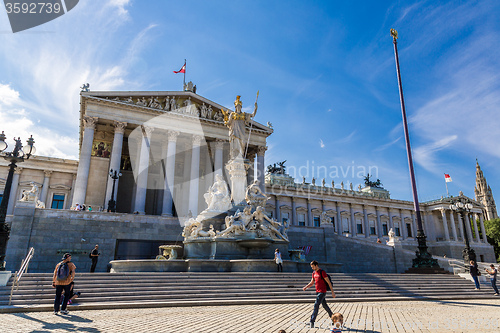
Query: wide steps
column 121, row 290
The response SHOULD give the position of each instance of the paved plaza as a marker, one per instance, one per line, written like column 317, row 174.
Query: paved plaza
column 410, row 316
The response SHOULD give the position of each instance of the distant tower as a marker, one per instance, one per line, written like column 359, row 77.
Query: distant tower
column 484, row 195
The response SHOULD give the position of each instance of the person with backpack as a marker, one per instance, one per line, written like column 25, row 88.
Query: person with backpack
column 94, row 255
column 64, row 273
column 322, row 282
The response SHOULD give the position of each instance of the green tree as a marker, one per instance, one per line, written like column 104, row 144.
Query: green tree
column 493, row 235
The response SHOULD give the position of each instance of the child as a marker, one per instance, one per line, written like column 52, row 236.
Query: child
column 72, row 294
column 337, row 322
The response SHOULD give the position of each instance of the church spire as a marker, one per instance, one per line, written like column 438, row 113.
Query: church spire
column 484, row 195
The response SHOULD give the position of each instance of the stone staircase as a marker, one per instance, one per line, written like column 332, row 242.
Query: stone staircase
column 134, row 290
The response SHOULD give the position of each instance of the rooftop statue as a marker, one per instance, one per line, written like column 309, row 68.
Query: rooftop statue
column 236, row 122
column 369, row 183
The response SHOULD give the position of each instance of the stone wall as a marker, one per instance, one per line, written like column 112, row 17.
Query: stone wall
column 52, row 231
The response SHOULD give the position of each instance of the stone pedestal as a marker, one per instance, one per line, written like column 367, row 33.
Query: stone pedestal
column 237, row 168
column 4, row 278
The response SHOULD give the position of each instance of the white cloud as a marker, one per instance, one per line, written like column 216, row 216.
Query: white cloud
column 425, row 155
column 321, row 143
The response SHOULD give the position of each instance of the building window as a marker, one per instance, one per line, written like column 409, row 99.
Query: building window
column 345, row 224
column 385, row 231
column 372, row 228
column 284, row 217
column 359, row 227
column 333, row 221
column 397, row 231
column 302, row 219
column 316, row 221
column 57, row 201
column 1, row 196
column 408, row 229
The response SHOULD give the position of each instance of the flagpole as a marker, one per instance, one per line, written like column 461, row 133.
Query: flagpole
column 446, row 183
column 184, row 74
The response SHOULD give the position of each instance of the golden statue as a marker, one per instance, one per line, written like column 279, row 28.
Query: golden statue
column 236, row 122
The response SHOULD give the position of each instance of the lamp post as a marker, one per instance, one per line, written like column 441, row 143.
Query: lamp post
column 424, row 259
column 112, row 203
column 461, row 206
column 18, row 155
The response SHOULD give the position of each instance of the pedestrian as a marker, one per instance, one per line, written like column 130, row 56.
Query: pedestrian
column 64, row 273
column 493, row 278
column 278, row 260
column 379, row 241
column 474, row 273
column 94, row 255
column 321, row 280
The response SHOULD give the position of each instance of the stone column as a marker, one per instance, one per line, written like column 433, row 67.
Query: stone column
column 142, row 172
column 379, row 223
column 391, row 225
column 251, row 169
column 219, row 156
column 82, row 177
column 445, row 225
column 367, row 225
column 115, row 160
column 403, row 225
column 354, row 230
column 475, row 227
column 339, row 223
column 414, row 224
column 453, row 226
column 194, row 180
column 13, row 191
column 261, row 151
column 309, row 214
column 460, row 226
column 277, row 207
column 72, row 193
column 168, row 186
column 45, row 187
column 483, row 230
column 294, row 212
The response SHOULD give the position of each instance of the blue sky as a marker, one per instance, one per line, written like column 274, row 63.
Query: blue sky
column 325, row 71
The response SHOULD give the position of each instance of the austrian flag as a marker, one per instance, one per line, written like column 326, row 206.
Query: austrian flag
column 182, row 70
column 447, row 178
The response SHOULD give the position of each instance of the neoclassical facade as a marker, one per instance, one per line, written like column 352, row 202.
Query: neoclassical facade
column 168, row 146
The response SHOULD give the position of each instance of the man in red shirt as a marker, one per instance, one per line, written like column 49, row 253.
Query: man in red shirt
column 319, row 278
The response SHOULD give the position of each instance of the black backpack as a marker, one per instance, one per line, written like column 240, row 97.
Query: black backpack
column 329, row 278
column 63, row 272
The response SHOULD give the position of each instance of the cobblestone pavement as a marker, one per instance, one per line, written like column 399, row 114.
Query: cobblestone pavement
column 437, row 316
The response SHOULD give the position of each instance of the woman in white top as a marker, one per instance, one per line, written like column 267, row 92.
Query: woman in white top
column 278, row 260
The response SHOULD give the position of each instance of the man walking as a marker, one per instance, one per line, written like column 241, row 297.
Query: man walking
column 320, row 280
column 94, row 255
column 63, row 276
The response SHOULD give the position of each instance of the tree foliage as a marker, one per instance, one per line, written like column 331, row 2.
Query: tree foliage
column 493, row 234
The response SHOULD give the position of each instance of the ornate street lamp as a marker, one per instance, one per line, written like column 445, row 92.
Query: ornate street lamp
column 112, row 203
column 461, row 206
column 424, row 259
column 18, row 155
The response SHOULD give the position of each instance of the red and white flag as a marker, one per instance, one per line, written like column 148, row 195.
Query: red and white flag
column 182, row 70
column 447, row 178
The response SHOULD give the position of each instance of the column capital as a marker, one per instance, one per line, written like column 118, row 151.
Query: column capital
column 197, row 139
column 89, row 122
column 219, row 144
column 148, row 130
column 261, row 150
column 172, row 135
column 18, row 170
column 119, row 126
column 47, row 173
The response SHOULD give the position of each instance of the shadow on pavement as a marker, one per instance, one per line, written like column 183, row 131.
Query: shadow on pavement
column 70, row 327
